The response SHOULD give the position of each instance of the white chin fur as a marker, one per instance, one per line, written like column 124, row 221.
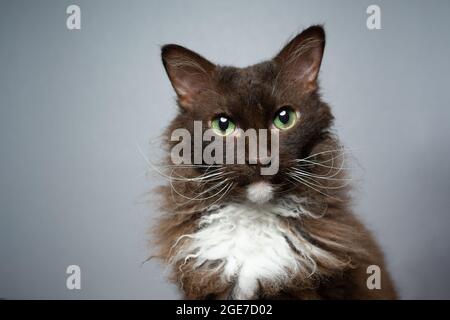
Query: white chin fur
column 259, row 192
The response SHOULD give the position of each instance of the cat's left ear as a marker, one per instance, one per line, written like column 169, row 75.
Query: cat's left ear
column 300, row 59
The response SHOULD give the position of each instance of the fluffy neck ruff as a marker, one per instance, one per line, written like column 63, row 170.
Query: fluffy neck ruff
column 246, row 244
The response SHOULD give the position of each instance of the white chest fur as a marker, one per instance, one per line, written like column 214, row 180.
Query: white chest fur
column 250, row 242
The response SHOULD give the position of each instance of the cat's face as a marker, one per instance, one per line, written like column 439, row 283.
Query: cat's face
column 279, row 94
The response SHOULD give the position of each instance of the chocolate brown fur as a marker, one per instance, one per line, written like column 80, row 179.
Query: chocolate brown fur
column 251, row 96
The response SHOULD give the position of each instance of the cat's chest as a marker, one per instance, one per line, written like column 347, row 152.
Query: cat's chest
column 251, row 244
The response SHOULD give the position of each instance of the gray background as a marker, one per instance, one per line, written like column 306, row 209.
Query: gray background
column 74, row 106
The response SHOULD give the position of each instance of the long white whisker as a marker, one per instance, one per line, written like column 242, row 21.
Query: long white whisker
column 230, row 185
column 324, row 176
column 196, row 198
column 340, row 152
column 187, row 165
column 307, row 174
column 156, row 169
column 317, row 184
column 316, row 163
column 302, row 180
column 201, row 177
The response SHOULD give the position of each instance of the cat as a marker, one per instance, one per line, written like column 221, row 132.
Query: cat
column 228, row 232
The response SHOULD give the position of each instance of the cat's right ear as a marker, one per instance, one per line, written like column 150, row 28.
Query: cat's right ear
column 300, row 59
column 188, row 72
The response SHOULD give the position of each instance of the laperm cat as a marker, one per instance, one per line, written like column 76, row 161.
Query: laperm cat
column 228, row 232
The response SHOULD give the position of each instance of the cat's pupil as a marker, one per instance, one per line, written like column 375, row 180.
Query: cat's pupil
column 284, row 116
column 223, row 123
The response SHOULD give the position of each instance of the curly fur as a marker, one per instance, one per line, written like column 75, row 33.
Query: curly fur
column 297, row 238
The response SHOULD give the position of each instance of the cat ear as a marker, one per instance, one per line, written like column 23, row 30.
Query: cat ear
column 189, row 72
column 300, row 59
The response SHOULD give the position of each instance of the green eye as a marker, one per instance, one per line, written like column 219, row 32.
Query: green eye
column 285, row 118
column 223, row 126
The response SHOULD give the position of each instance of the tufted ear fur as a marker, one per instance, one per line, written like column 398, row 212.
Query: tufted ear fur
column 300, row 59
column 189, row 72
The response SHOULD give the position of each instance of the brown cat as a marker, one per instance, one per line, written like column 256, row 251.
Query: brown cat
column 228, row 231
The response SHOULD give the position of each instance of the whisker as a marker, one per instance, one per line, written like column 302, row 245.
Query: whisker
column 342, row 151
column 316, row 163
column 229, row 187
column 317, row 184
column 196, row 198
column 324, row 177
column 202, row 177
column 162, row 174
column 187, row 165
column 306, row 183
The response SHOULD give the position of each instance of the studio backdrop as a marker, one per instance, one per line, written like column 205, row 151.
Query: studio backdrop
column 84, row 100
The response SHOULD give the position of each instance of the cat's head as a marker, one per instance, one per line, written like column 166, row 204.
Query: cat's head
column 279, row 94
